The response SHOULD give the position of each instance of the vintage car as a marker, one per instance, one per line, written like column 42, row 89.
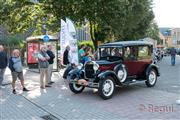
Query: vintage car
column 118, row 64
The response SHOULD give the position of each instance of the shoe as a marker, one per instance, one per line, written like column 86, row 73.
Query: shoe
column 14, row 91
column 47, row 86
column 42, row 87
column 50, row 82
column 24, row 89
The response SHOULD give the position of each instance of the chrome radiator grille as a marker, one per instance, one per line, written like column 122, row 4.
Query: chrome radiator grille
column 89, row 71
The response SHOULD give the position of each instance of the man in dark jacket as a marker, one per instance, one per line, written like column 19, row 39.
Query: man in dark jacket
column 3, row 63
column 66, row 57
column 173, row 56
column 51, row 61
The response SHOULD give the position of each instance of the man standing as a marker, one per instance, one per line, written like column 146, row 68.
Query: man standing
column 66, row 56
column 51, row 61
column 173, row 56
column 3, row 63
column 43, row 66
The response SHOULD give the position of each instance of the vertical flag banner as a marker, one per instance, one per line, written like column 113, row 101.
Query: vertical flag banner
column 71, row 34
column 63, row 37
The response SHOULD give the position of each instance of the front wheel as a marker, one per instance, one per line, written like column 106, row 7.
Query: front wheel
column 106, row 88
column 76, row 88
column 151, row 78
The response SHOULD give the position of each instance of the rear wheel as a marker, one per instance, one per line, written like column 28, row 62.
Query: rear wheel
column 151, row 78
column 106, row 87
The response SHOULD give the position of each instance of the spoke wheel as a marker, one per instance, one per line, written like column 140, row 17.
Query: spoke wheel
column 151, row 78
column 106, row 88
column 122, row 74
column 76, row 88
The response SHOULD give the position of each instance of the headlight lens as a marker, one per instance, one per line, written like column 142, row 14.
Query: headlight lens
column 80, row 65
column 95, row 66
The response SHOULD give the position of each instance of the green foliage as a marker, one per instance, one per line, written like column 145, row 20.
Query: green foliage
column 21, row 16
column 119, row 19
column 153, row 32
column 12, row 40
column 86, row 43
column 108, row 19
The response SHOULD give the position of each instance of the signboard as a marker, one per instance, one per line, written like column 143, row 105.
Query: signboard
column 32, row 52
column 46, row 38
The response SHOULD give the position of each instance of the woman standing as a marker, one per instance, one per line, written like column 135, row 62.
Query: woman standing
column 16, row 68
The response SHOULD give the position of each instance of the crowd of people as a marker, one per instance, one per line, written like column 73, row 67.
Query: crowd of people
column 85, row 54
column 45, row 60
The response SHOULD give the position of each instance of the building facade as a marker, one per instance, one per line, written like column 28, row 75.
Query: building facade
column 175, row 33
column 171, row 36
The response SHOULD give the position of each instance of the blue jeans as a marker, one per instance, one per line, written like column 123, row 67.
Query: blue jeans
column 2, row 75
column 173, row 60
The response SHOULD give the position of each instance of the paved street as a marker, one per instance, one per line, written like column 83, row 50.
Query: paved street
column 59, row 103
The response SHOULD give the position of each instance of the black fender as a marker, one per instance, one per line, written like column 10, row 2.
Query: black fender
column 104, row 74
column 67, row 70
column 74, row 73
column 152, row 66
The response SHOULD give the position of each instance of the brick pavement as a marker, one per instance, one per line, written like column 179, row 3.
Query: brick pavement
column 131, row 102
column 16, row 107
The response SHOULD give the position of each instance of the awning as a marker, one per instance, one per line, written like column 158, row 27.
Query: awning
column 36, row 38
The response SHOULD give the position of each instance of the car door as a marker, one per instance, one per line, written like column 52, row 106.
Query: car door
column 130, row 60
column 144, row 58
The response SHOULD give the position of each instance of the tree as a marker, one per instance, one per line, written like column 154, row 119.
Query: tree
column 122, row 19
column 108, row 19
column 24, row 16
column 153, row 32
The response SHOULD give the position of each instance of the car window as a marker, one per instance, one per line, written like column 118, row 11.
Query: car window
column 130, row 53
column 116, row 52
column 144, row 52
column 105, row 52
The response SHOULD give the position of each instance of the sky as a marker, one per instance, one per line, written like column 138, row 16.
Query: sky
column 167, row 13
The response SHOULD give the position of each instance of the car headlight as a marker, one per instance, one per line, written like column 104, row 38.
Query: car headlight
column 80, row 65
column 95, row 66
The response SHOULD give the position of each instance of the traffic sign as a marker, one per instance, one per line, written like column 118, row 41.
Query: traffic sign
column 46, row 38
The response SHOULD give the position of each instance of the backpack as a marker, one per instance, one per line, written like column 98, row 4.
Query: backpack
column 11, row 63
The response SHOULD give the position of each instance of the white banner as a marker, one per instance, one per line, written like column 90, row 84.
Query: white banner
column 63, row 37
column 72, row 41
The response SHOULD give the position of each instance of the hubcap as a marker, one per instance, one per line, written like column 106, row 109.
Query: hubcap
column 108, row 87
column 120, row 74
column 152, row 77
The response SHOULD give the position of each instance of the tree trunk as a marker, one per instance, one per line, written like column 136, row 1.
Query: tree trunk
column 92, row 30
